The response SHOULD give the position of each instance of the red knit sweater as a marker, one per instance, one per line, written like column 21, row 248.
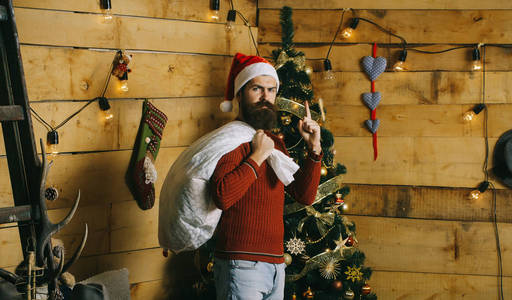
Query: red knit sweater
column 252, row 200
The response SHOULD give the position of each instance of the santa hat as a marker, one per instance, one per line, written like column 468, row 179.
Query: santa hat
column 243, row 69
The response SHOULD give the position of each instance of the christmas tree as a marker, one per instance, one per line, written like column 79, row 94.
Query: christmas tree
column 321, row 253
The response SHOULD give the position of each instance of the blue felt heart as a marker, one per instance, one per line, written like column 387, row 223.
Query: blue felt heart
column 374, row 66
column 372, row 125
column 371, row 100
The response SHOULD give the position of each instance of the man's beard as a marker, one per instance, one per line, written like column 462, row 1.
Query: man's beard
column 260, row 115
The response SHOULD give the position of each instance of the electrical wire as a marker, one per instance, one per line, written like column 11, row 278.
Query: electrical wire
column 440, row 51
column 385, row 30
column 336, row 34
column 246, row 22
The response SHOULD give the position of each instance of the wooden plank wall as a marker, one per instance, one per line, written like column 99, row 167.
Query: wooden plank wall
column 421, row 234
column 180, row 60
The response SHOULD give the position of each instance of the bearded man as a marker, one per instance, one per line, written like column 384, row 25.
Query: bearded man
column 249, row 262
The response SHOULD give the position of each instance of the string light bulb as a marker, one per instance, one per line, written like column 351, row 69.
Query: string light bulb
column 400, row 65
column 52, row 140
column 328, row 74
column 230, row 24
column 471, row 114
column 105, row 108
column 477, row 193
column 347, row 32
column 477, row 63
column 214, row 10
column 106, row 10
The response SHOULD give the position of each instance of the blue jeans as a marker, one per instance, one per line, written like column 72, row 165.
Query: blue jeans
column 248, row 280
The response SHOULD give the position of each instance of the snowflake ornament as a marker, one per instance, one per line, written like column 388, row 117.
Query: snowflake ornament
column 354, row 274
column 295, row 246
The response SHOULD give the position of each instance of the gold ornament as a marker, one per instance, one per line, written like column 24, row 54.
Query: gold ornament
column 323, row 171
column 354, row 274
column 287, row 259
column 308, row 294
column 295, row 246
column 308, row 70
column 366, row 289
column 286, row 120
column 329, row 267
column 294, row 296
column 324, row 190
column 283, row 58
column 209, row 267
column 349, row 295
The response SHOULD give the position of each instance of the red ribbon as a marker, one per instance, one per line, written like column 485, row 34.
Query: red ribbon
column 374, row 112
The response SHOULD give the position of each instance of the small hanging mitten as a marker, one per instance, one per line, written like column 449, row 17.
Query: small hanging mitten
column 142, row 175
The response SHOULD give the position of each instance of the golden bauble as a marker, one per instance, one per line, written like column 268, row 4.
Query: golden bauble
column 349, row 295
column 323, row 171
column 209, row 266
column 286, row 120
column 308, row 70
column 287, row 259
column 308, row 294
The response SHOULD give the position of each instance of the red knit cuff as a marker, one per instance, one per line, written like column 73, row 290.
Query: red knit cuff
column 254, row 166
column 315, row 157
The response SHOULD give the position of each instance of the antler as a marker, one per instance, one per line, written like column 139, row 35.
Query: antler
column 47, row 228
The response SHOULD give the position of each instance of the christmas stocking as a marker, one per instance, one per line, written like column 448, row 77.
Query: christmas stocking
column 141, row 174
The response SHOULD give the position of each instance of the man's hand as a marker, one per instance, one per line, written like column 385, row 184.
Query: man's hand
column 262, row 146
column 310, row 131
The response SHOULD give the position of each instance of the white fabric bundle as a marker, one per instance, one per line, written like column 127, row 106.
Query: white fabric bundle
column 187, row 214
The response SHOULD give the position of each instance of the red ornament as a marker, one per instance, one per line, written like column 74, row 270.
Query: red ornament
column 339, row 199
column 366, row 289
column 350, row 241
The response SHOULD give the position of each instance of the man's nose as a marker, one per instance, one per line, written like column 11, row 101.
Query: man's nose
column 265, row 94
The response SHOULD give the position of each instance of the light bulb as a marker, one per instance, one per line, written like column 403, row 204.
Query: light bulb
column 106, row 10
column 105, row 108
column 477, row 193
column 214, row 10
column 347, row 32
column 230, row 24
column 328, row 73
column 124, row 86
column 468, row 116
column 477, row 64
column 471, row 114
column 474, row 195
column 344, row 206
column 400, row 64
column 52, row 140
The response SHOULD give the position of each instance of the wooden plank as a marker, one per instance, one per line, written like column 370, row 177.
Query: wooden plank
column 347, row 57
column 416, row 26
column 415, row 87
column 188, row 119
column 133, row 228
column 416, row 120
column 386, row 4
column 99, row 176
column 415, row 286
column 60, row 28
column 448, row 247
column 10, row 245
column 58, row 74
column 185, row 10
column 426, row 203
column 423, row 161
column 151, row 267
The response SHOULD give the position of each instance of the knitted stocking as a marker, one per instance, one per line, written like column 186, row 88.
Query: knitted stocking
column 141, row 174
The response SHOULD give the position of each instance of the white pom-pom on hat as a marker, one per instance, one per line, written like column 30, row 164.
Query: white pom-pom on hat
column 226, row 106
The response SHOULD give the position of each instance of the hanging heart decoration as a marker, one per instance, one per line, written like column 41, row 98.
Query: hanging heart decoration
column 374, row 66
column 371, row 100
column 372, row 125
